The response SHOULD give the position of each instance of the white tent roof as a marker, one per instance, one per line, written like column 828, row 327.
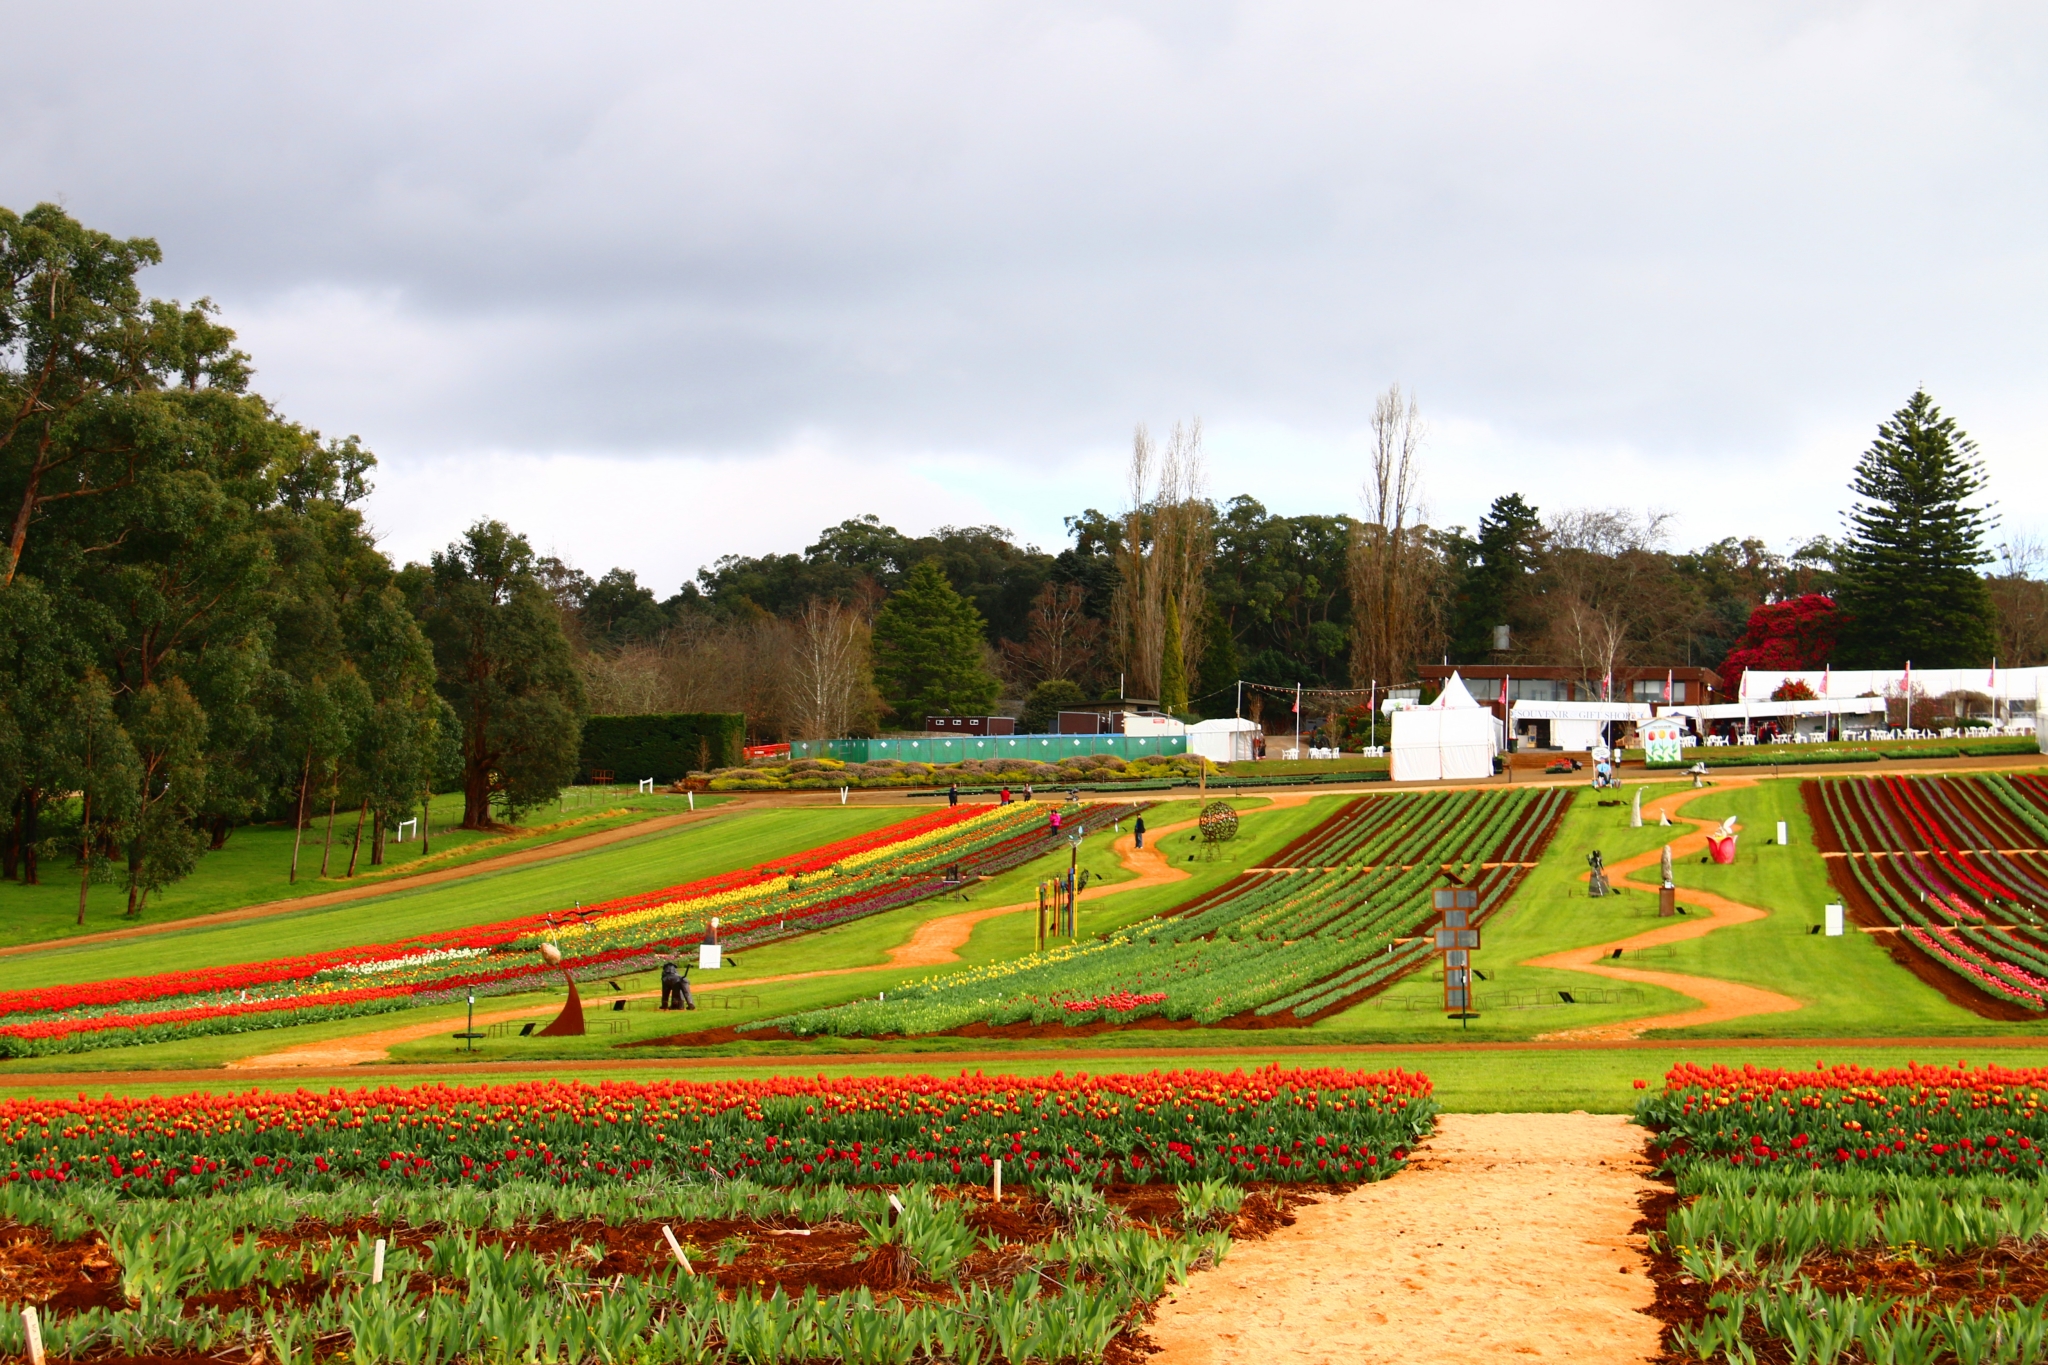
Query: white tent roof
column 1454, row 697
column 1813, row 706
column 1228, row 725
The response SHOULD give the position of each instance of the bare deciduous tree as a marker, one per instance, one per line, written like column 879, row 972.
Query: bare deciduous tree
column 1169, row 537
column 2021, row 598
column 1607, row 593
column 830, row 680
column 1396, row 575
column 1061, row 640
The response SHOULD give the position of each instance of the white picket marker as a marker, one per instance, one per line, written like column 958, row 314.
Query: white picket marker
column 377, row 1263
column 693, row 799
column 842, row 796
column 33, row 1331
column 677, row 1248
column 999, row 1180
column 896, row 1204
column 1784, row 836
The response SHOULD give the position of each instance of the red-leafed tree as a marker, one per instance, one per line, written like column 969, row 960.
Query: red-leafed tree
column 1797, row 633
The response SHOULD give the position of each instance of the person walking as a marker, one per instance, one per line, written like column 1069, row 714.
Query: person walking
column 1138, row 832
column 953, row 795
column 1027, row 791
column 1054, row 819
column 1006, row 794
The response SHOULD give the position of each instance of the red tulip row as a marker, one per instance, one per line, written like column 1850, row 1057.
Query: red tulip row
column 1915, row 1119
column 1276, row 1123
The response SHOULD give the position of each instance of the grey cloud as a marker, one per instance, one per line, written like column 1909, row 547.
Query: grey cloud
column 1011, row 231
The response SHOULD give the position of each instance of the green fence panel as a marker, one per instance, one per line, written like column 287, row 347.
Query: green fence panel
column 952, row 749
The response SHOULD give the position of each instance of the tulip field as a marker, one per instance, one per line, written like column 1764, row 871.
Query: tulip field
column 1853, row 1215
column 894, row 866
column 1957, row 864
column 765, row 1221
column 1336, row 917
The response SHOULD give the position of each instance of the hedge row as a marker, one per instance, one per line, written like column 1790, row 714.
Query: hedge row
column 664, row 748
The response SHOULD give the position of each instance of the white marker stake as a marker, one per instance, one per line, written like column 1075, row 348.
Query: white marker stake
column 677, row 1248
column 377, row 1263
column 896, row 1204
column 1784, row 836
column 33, row 1330
column 693, row 799
column 999, row 1181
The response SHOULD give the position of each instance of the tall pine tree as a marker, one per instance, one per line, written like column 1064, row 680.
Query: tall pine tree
column 1909, row 584
column 929, row 645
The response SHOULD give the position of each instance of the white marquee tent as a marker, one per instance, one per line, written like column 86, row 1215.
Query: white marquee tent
column 1224, row 741
column 1452, row 737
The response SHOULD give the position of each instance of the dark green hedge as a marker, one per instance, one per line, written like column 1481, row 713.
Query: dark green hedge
column 664, row 748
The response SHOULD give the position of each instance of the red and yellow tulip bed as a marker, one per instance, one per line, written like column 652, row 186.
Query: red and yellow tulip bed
column 890, row 867
column 1854, row 1215
column 779, row 1220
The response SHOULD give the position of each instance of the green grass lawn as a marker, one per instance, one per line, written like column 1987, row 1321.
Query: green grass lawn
column 1488, row 1081
column 1851, row 985
column 742, row 837
column 254, row 867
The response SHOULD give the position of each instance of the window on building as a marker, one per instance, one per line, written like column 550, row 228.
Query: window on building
column 1536, row 689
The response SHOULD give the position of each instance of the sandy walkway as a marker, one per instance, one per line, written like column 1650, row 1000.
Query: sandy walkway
column 934, row 943
column 1506, row 1239
column 1719, row 1000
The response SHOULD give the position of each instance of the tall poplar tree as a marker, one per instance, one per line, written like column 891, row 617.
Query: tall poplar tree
column 1909, row 581
column 1173, row 677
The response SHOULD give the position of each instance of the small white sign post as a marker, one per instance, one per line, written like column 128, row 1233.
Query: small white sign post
column 1784, row 834
column 1834, row 921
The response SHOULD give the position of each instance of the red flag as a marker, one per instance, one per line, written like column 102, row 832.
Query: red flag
column 1667, row 687
column 1297, row 698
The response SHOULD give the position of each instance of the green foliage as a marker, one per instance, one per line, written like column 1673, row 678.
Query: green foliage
column 1042, row 708
column 1489, row 591
column 1909, row 572
column 1173, row 673
column 663, row 747
column 929, row 648
column 504, row 665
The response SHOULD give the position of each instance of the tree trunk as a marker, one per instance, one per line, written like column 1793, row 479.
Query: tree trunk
column 221, row 830
column 10, row 852
column 356, row 846
column 476, row 797
column 84, row 854
column 31, row 830
column 299, row 815
column 426, row 820
column 377, row 839
column 328, row 847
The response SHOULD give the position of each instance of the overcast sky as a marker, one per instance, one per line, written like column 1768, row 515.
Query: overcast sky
column 656, row 284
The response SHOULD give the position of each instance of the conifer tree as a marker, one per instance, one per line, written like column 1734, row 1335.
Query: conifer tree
column 1909, row 583
column 928, row 645
column 1173, row 673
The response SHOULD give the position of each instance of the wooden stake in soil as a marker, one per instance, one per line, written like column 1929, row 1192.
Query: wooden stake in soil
column 32, row 1331
column 999, row 1180
column 377, row 1263
column 677, row 1248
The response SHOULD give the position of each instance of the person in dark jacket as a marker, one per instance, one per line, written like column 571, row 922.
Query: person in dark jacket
column 1138, row 831
column 953, row 795
column 671, row 985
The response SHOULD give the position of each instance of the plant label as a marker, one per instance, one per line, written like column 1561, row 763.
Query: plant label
column 1834, row 921
column 377, row 1262
column 32, row 1335
column 707, row 956
column 676, row 1247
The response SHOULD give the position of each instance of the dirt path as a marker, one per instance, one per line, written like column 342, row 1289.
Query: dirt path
column 1507, row 1238
column 541, row 853
column 934, row 943
column 1719, row 1000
